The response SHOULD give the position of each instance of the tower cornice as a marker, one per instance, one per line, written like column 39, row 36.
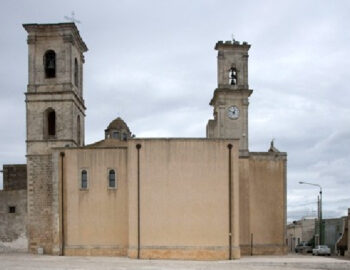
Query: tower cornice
column 231, row 45
column 68, row 31
column 228, row 91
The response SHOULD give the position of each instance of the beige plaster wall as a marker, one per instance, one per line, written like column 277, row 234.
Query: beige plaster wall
column 183, row 198
column 96, row 219
column 267, row 186
column 244, row 206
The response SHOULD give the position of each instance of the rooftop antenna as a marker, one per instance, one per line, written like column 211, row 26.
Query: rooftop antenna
column 72, row 18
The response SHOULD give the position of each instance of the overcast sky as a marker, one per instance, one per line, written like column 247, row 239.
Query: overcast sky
column 153, row 63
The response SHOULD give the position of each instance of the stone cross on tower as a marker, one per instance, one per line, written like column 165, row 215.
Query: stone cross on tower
column 72, row 18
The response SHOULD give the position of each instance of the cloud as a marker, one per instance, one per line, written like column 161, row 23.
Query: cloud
column 153, row 64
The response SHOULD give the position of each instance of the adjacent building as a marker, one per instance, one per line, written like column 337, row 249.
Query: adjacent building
column 304, row 230
column 301, row 231
column 333, row 231
column 13, row 208
column 343, row 243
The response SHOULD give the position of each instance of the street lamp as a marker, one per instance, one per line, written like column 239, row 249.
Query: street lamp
column 319, row 209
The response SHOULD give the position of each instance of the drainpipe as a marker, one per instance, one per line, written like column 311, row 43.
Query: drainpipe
column 251, row 244
column 229, row 146
column 62, row 202
column 138, row 147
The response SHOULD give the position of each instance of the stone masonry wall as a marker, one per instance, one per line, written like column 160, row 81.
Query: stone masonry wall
column 35, row 124
column 40, row 203
column 15, row 176
column 13, row 225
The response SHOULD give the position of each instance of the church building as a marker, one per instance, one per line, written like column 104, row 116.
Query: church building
column 150, row 198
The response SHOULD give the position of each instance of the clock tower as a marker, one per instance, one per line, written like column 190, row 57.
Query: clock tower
column 230, row 100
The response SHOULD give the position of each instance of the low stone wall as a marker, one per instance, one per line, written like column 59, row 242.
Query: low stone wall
column 13, row 217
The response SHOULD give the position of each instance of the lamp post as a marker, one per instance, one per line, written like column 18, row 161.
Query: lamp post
column 319, row 210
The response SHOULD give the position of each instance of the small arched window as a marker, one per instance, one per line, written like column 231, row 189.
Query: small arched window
column 51, row 123
column 78, row 131
column 233, row 76
column 112, row 179
column 84, row 179
column 50, row 64
column 76, row 72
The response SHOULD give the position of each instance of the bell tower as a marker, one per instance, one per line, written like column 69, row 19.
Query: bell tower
column 55, row 113
column 230, row 100
column 54, row 97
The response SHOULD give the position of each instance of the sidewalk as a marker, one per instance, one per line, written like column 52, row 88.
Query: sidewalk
column 290, row 262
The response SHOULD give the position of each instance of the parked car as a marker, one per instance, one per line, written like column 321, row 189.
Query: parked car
column 303, row 247
column 321, row 250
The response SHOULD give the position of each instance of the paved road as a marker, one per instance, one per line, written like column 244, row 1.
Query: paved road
column 27, row 261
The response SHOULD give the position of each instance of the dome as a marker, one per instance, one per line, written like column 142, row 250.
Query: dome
column 118, row 124
column 118, row 129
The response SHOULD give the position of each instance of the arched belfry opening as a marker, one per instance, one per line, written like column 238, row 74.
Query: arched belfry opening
column 233, row 76
column 76, row 72
column 49, row 124
column 50, row 64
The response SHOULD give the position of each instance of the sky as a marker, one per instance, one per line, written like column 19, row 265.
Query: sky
column 153, row 63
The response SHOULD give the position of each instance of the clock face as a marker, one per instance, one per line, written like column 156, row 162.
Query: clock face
column 233, row 112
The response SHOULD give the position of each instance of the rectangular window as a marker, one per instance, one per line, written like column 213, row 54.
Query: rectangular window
column 12, row 209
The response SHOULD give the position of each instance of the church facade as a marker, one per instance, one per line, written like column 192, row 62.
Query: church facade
column 170, row 198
